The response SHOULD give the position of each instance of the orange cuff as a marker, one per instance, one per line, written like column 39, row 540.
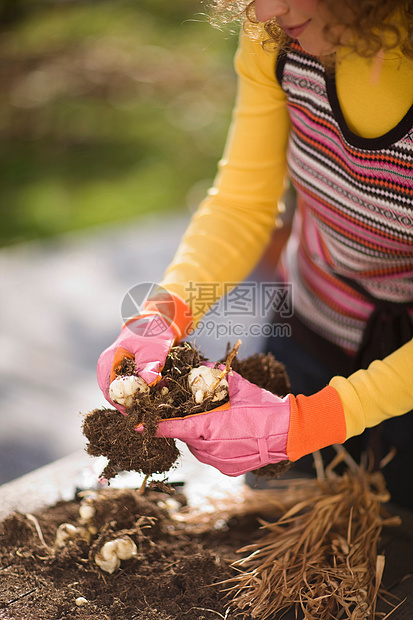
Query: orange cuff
column 120, row 353
column 316, row 421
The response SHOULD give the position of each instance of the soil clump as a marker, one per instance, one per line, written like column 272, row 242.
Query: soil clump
column 114, row 436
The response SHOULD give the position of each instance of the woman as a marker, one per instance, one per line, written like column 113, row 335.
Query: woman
column 325, row 92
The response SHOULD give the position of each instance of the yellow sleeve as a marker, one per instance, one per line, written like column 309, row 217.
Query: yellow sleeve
column 230, row 230
column 384, row 390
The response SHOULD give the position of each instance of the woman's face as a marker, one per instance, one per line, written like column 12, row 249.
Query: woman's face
column 303, row 20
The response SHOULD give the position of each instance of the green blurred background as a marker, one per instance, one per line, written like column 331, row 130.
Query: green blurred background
column 110, row 109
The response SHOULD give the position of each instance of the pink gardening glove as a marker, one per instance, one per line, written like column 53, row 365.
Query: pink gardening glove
column 257, row 428
column 146, row 339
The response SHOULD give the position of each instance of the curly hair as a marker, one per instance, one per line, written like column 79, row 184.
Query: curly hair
column 375, row 24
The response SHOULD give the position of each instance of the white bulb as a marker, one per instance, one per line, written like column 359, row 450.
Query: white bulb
column 86, row 512
column 126, row 548
column 113, row 552
column 123, row 389
column 107, row 559
column 109, row 550
column 203, row 382
column 64, row 532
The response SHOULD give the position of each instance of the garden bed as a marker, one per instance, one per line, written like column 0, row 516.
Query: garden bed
column 174, row 574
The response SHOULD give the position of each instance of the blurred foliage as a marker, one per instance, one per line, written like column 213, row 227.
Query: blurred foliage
column 109, row 109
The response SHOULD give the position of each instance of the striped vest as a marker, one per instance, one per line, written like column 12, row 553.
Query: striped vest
column 354, row 218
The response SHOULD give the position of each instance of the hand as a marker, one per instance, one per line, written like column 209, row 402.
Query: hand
column 147, row 340
column 257, row 428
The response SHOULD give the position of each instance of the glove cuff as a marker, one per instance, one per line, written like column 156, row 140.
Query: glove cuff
column 316, row 421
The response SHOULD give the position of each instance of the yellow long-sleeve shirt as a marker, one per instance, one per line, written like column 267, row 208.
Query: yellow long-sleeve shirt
column 232, row 227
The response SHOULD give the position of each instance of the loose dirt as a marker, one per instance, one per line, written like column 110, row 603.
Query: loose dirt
column 174, row 576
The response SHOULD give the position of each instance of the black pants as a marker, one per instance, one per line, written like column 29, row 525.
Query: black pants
column 309, row 375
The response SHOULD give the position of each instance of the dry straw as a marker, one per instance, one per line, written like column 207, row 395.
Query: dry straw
column 320, row 557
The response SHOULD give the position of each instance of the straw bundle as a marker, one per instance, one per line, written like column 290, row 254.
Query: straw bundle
column 320, row 556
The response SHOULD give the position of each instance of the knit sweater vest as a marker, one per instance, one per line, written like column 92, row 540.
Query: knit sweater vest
column 352, row 239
